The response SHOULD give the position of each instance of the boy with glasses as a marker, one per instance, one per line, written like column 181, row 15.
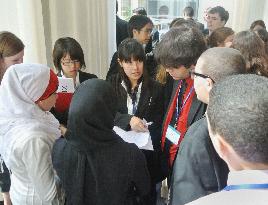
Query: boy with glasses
column 198, row 170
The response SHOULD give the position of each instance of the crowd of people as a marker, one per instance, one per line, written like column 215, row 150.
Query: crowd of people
column 200, row 93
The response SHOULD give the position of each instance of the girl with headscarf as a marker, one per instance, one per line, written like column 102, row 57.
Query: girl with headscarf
column 94, row 164
column 28, row 131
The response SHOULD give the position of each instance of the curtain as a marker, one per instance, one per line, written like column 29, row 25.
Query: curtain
column 39, row 23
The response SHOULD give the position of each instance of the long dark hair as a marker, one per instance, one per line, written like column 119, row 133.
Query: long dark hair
column 128, row 50
column 252, row 48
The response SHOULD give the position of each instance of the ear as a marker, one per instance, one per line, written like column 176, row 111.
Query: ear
column 120, row 63
column 209, row 84
column 135, row 33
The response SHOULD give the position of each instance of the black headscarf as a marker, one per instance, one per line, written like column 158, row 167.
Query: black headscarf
column 92, row 110
column 94, row 164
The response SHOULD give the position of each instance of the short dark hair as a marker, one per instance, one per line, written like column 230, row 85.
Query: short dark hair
column 219, row 35
column 220, row 62
column 238, row 111
column 180, row 46
column 137, row 22
column 221, row 11
column 140, row 11
column 64, row 46
column 188, row 11
column 259, row 23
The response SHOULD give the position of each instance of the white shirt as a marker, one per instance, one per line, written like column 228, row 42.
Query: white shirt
column 240, row 196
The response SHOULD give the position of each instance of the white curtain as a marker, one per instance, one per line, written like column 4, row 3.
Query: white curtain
column 39, row 23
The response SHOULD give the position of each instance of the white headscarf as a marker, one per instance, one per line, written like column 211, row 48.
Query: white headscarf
column 22, row 85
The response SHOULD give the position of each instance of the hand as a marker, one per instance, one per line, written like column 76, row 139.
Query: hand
column 138, row 125
column 63, row 130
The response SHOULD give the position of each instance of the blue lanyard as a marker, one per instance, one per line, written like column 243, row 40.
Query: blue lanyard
column 183, row 104
column 246, row 186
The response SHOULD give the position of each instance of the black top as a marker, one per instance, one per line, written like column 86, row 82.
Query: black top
column 151, row 108
column 94, row 164
column 121, row 30
column 197, row 170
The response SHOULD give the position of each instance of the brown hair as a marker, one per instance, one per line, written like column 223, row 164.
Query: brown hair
column 218, row 36
column 257, row 23
column 252, row 48
column 10, row 44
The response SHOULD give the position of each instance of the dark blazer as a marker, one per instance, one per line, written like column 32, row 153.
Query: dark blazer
column 63, row 116
column 196, row 112
column 151, row 108
column 121, row 30
column 197, row 170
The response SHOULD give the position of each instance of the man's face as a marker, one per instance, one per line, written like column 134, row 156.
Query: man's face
column 214, row 21
column 143, row 35
column 179, row 73
column 200, row 83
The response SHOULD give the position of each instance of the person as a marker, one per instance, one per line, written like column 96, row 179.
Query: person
column 221, row 37
column 139, row 11
column 256, row 25
column 198, row 170
column 28, row 131
column 11, row 52
column 253, row 49
column 188, row 14
column 140, row 28
column 121, row 28
column 178, row 55
column 263, row 34
column 238, row 130
column 140, row 101
column 68, row 59
column 217, row 17
column 93, row 163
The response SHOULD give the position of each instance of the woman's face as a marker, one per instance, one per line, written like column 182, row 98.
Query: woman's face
column 70, row 67
column 133, row 69
column 11, row 60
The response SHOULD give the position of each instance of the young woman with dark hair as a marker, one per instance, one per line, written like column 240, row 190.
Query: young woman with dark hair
column 140, row 98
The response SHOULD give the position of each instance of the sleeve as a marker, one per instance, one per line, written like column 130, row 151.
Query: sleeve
column 4, row 178
column 113, row 66
column 193, row 172
column 37, row 159
column 141, row 177
column 122, row 120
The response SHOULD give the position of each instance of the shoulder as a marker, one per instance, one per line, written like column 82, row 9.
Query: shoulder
column 85, row 76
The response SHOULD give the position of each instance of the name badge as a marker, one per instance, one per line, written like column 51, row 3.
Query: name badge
column 173, row 135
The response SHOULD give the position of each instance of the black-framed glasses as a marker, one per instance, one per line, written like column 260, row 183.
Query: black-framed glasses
column 70, row 62
column 192, row 73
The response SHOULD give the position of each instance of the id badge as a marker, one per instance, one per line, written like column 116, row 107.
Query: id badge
column 173, row 135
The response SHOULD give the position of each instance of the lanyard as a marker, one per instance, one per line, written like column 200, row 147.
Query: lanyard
column 246, row 186
column 178, row 111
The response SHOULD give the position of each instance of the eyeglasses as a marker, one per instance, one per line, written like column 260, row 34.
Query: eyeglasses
column 70, row 62
column 148, row 31
column 193, row 74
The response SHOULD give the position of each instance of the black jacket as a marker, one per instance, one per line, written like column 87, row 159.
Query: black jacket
column 151, row 108
column 197, row 170
column 94, row 164
column 121, row 30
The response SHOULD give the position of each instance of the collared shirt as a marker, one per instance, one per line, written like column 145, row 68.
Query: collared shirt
column 240, row 196
column 129, row 100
